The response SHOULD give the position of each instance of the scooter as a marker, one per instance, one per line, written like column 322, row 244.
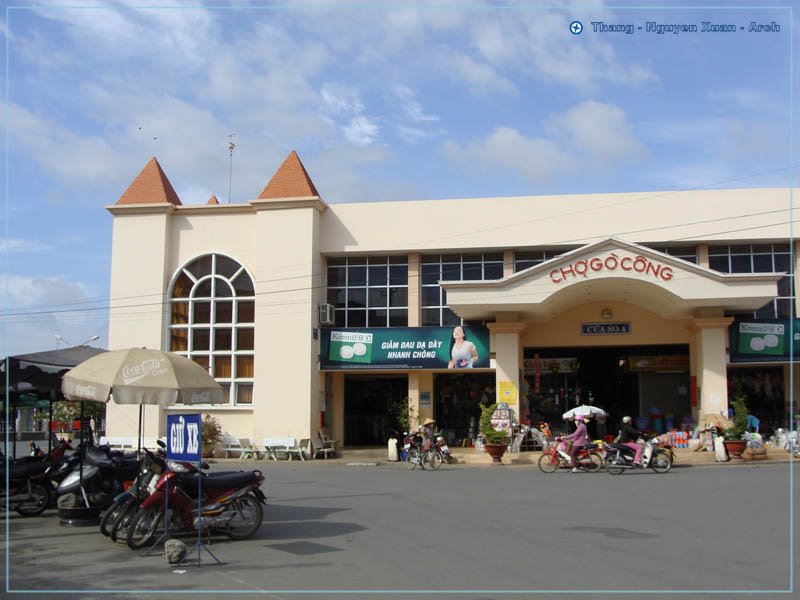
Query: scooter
column 444, row 450
column 556, row 457
column 231, row 504
column 27, row 486
column 103, row 474
column 619, row 458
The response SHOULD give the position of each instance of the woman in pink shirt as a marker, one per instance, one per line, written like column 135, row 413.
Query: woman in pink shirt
column 579, row 437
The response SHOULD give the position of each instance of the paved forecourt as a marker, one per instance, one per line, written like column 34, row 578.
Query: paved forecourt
column 339, row 527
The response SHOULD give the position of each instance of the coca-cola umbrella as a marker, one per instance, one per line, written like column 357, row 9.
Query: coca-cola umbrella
column 140, row 376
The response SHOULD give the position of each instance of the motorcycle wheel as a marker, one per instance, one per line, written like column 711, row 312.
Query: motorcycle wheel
column 613, row 466
column 119, row 528
column 36, row 504
column 433, row 460
column 592, row 463
column 247, row 521
column 144, row 525
column 111, row 515
column 413, row 458
column 546, row 464
column 660, row 463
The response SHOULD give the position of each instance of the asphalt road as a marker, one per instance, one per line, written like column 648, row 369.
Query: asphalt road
column 465, row 532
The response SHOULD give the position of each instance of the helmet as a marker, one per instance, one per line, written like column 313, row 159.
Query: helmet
column 626, row 419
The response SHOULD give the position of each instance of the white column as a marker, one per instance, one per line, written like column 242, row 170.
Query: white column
column 507, row 341
column 712, row 378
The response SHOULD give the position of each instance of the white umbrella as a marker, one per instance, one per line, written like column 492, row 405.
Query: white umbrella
column 585, row 410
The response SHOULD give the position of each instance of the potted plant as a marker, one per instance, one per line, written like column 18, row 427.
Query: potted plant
column 210, row 433
column 495, row 442
column 734, row 442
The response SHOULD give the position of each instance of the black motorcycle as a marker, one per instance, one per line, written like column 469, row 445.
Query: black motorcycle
column 27, row 486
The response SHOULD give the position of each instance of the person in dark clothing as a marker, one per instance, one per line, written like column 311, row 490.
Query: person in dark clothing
column 628, row 436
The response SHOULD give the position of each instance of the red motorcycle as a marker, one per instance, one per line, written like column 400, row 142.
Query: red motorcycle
column 557, row 457
column 231, row 505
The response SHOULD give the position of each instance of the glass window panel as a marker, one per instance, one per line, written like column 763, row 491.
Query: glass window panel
column 377, row 260
column 762, row 248
column 451, row 258
column 451, row 272
column 200, row 266
column 431, row 258
column 740, row 249
column 223, row 312
column 762, row 263
column 493, row 256
column 244, row 393
column 449, row 318
column 741, row 264
column 246, row 311
column 398, row 275
column 356, row 318
column 377, row 297
column 226, row 392
column 782, row 263
column 400, row 259
column 179, row 340
column 717, row 250
column 222, row 366
column 245, row 338
column 430, row 316
column 201, row 339
column 398, row 296
column 337, row 276
column 179, row 313
column 357, row 260
column 336, row 261
column 478, row 258
column 337, row 296
column 784, row 308
column 203, row 289
column 521, row 265
column 493, row 271
column 431, row 296
column 222, row 289
column 244, row 366
column 378, row 275
column 223, row 339
column 377, row 318
column 430, row 274
column 244, row 285
column 226, row 267
column 183, row 286
column 356, row 297
column 356, row 276
column 785, row 286
column 472, row 272
column 201, row 312
column 718, row 263
column 781, row 248
column 340, row 318
column 398, row 318
column 766, row 312
column 201, row 359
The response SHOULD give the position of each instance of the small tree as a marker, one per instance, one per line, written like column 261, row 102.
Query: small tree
column 736, row 431
column 490, row 434
column 210, row 431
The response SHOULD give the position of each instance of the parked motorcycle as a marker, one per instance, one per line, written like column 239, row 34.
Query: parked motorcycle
column 104, row 474
column 27, row 486
column 619, row 458
column 444, row 450
column 231, row 505
column 557, row 457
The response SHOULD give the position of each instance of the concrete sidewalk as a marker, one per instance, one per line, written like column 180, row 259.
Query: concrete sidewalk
column 472, row 457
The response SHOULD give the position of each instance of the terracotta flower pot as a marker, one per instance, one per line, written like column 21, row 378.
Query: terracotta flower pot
column 496, row 451
column 734, row 448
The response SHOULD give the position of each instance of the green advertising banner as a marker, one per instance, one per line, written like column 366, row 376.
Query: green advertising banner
column 404, row 348
column 764, row 340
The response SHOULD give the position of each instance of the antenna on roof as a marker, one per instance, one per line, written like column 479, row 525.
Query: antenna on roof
column 231, row 146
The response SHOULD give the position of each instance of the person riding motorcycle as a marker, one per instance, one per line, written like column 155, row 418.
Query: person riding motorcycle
column 628, row 436
column 580, row 438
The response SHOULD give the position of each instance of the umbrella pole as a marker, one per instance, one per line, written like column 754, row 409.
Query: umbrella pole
column 139, row 442
column 49, row 426
column 82, row 449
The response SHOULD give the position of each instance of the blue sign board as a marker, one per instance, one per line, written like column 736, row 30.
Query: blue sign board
column 605, row 328
column 183, row 438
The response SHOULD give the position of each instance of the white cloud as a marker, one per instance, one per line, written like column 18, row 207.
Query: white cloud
column 340, row 99
column 361, row 131
column 600, row 130
column 480, row 77
column 536, row 159
column 409, row 105
column 18, row 246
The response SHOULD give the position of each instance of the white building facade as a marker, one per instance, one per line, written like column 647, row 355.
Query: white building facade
column 338, row 315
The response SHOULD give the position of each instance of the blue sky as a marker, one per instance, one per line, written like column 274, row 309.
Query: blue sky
column 382, row 101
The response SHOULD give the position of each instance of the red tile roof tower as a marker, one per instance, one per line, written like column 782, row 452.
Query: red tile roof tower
column 290, row 181
column 150, row 186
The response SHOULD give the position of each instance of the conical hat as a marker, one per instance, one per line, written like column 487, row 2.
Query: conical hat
column 428, row 421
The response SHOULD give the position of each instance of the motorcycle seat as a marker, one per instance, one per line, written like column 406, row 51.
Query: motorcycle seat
column 229, row 479
column 26, row 469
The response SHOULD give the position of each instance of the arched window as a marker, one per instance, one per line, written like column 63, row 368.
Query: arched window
column 212, row 322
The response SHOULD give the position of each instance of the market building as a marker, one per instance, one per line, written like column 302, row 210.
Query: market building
column 343, row 315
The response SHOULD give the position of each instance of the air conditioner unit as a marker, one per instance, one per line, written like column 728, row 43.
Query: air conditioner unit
column 326, row 314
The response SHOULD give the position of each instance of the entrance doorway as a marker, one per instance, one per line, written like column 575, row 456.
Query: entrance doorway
column 458, row 403
column 650, row 383
column 369, row 406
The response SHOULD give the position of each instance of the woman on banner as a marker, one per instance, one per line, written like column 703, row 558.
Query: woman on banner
column 462, row 352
